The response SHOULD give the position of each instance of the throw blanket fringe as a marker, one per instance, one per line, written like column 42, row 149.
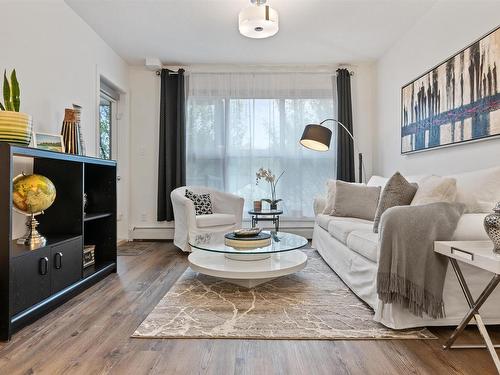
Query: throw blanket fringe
column 410, row 296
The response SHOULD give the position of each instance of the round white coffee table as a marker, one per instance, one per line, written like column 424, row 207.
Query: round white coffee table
column 247, row 268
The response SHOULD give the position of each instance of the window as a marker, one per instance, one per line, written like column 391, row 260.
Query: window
column 238, row 123
column 108, row 98
column 105, row 110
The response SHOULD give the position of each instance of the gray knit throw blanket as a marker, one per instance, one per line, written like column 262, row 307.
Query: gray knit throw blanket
column 410, row 274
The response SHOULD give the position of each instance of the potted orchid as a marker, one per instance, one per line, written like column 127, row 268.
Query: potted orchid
column 268, row 176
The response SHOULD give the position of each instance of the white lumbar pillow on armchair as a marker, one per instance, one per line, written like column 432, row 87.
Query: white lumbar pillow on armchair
column 225, row 215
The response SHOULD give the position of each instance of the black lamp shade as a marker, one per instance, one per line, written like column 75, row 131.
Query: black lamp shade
column 316, row 137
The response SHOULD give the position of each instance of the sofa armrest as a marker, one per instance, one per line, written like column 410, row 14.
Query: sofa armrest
column 470, row 228
column 319, row 205
column 184, row 211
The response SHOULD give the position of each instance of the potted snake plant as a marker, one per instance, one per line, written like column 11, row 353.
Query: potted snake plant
column 15, row 126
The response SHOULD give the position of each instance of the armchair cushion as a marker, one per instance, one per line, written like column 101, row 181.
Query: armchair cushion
column 213, row 220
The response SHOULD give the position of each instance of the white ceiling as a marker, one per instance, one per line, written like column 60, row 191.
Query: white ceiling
column 206, row 31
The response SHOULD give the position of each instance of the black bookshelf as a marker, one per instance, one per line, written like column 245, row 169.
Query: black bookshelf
column 33, row 282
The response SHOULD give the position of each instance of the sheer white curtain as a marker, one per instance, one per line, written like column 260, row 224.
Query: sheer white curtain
column 239, row 122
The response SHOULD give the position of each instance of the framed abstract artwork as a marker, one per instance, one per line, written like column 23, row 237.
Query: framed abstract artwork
column 455, row 102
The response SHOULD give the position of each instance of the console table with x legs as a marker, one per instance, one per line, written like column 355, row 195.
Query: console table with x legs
column 479, row 254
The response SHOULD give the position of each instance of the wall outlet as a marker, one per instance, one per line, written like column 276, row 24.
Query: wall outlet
column 144, row 217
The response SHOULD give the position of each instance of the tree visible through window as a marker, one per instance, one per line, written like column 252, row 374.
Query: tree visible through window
column 105, row 128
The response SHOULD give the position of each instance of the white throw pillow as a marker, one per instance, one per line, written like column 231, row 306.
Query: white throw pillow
column 434, row 189
column 478, row 190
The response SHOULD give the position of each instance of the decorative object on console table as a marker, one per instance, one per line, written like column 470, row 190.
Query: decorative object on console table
column 492, row 227
column 15, row 127
column 32, row 195
column 317, row 137
column 267, row 175
column 49, row 142
column 85, row 203
column 71, row 132
column 455, row 102
column 88, row 255
column 257, row 205
column 78, row 114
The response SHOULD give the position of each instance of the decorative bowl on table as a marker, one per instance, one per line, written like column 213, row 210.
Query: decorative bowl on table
column 262, row 239
column 252, row 232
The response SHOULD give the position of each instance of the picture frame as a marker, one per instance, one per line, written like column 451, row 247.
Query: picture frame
column 455, row 102
column 47, row 141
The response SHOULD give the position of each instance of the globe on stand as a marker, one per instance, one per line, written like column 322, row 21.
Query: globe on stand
column 32, row 195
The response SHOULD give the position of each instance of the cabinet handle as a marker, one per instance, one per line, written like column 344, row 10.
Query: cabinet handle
column 44, row 265
column 58, row 260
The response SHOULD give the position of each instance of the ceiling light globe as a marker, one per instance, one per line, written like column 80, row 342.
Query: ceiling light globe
column 258, row 22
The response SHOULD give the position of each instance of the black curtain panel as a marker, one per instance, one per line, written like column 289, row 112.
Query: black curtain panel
column 345, row 146
column 172, row 147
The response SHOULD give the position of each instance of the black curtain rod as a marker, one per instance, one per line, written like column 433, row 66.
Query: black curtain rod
column 170, row 72
column 158, row 72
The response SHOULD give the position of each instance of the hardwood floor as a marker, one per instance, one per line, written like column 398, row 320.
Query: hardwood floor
column 91, row 335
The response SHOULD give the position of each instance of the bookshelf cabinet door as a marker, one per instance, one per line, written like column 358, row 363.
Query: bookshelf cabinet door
column 31, row 279
column 66, row 260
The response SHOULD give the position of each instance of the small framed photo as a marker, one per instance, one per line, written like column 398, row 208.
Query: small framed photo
column 50, row 142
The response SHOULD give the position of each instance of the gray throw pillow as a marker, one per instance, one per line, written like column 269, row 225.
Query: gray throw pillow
column 397, row 192
column 355, row 200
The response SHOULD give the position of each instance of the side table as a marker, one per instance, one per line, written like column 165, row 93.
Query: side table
column 479, row 254
column 266, row 215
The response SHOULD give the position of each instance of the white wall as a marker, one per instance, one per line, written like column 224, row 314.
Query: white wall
column 444, row 30
column 144, row 116
column 58, row 58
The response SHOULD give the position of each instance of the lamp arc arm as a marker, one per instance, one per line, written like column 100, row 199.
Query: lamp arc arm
column 354, row 142
column 338, row 122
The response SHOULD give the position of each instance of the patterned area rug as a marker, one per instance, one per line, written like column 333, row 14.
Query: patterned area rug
column 312, row 304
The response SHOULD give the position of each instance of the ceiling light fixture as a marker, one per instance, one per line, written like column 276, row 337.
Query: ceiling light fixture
column 258, row 21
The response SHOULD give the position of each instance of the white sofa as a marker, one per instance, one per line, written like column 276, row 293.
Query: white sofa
column 351, row 249
column 227, row 215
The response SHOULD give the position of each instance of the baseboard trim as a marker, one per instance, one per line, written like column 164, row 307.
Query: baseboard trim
column 152, row 233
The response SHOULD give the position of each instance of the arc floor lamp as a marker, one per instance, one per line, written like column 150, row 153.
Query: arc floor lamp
column 317, row 137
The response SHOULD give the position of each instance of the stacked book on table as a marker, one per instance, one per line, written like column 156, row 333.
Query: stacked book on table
column 242, row 242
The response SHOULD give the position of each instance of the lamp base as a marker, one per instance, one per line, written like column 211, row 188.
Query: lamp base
column 32, row 237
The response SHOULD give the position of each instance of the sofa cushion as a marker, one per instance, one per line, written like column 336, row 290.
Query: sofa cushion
column 364, row 243
column 355, row 200
column 340, row 227
column 433, row 189
column 478, row 190
column 213, row 220
column 323, row 220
